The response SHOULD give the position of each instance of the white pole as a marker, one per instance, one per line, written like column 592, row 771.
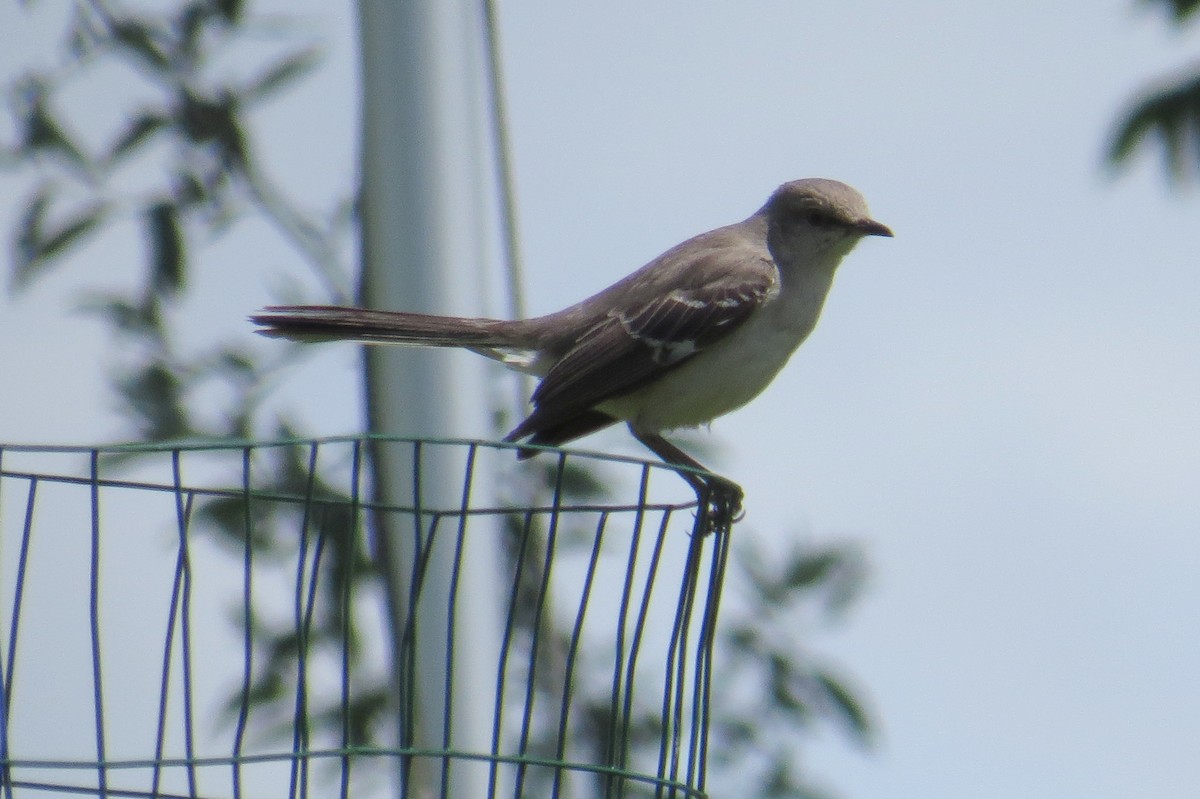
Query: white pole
column 423, row 236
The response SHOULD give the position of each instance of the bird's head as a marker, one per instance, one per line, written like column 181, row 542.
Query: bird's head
column 816, row 217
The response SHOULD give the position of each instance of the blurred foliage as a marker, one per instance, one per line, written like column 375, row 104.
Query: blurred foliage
column 193, row 132
column 196, row 135
column 1168, row 111
column 1180, row 9
column 209, row 178
column 763, row 645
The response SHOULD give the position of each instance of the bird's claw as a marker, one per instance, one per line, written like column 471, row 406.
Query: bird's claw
column 720, row 506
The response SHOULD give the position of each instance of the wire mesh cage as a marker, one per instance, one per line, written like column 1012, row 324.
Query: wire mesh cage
column 265, row 620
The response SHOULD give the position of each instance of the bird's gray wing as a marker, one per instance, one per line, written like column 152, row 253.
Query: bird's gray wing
column 634, row 345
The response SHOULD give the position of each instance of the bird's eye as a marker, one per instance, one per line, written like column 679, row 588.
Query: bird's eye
column 819, row 219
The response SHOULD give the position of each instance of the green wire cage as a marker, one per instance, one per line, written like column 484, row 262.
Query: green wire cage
column 264, row 620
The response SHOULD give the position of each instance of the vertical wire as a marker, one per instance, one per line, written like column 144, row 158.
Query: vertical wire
column 615, row 746
column 640, row 629
column 239, row 734
column 576, row 635
column 505, row 645
column 160, row 738
column 679, row 643
column 298, row 777
column 451, row 614
column 5, row 693
column 94, row 621
column 420, row 571
column 539, row 608
column 407, row 654
column 183, row 511
column 709, row 637
column 5, row 778
column 318, row 557
column 348, row 557
column 6, row 682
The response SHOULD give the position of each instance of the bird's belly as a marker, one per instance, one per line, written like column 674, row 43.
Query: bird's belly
column 712, row 384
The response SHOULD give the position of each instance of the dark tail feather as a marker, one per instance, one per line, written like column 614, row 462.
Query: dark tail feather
column 330, row 323
column 576, row 427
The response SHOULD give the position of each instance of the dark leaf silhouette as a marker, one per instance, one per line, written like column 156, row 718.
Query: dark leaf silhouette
column 138, row 39
column 135, row 318
column 281, row 74
column 29, row 232
column 153, row 396
column 37, row 246
column 138, row 132
column 844, row 703
column 1173, row 116
column 166, row 247
column 42, row 131
column 1181, row 9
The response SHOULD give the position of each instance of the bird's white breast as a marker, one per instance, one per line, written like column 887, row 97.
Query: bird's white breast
column 732, row 371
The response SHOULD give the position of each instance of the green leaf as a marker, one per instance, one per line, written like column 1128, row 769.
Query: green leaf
column 83, row 34
column 36, row 247
column 190, row 189
column 226, row 516
column 137, row 318
column 1171, row 114
column 811, row 569
column 845, row 704
column 580, row 482
column 153, row 396
column 281, row 74
column 71, row 231
column 166, row 247
column 42, row 132
column 138, row 39
column 138, row 132
column 230, row 9
column 237, row 363
column 213, row 120
column 1180, row 9
column 204, row 118
column 29, row 233
column 190, row 25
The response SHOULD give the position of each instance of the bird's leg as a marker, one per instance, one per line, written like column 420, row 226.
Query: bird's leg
column 719, row 499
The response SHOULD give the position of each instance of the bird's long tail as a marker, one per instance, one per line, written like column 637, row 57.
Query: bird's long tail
column 335, row 323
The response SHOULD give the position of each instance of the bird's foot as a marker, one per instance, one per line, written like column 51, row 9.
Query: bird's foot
column 720, row 505
column 718, row 500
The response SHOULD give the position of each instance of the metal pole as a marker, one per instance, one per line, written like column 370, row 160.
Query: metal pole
column 422, row 233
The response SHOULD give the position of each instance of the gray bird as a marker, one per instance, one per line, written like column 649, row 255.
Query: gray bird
column 692, row 335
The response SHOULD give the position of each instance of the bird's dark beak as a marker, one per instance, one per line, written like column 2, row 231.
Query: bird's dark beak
column 869, row 227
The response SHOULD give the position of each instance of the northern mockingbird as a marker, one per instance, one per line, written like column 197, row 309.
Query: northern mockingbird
column 694, row 334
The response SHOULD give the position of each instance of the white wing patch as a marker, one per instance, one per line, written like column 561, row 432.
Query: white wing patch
column 669, row 352
column 683, row 299
column 675, row 326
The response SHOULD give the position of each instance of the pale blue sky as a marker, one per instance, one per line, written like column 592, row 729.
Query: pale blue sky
column 1002, row 403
